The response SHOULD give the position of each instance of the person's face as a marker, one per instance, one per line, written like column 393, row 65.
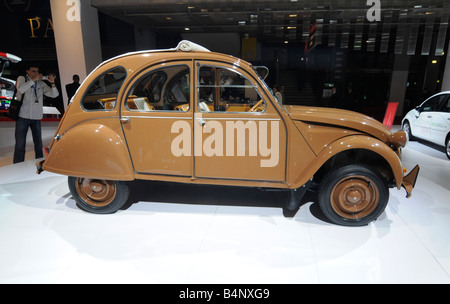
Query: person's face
column 33, row 72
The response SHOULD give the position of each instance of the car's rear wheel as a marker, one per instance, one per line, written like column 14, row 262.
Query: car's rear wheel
column 447, row 146
column 99, row 196
column 353, row 195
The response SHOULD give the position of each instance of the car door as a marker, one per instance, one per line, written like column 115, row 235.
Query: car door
column 238, row 133
column 157, row 100
column 440, row 121
column 421, row 127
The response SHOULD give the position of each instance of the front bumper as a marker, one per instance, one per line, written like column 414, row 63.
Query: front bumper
column 409, row 180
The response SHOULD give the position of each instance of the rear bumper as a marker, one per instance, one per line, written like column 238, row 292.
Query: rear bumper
column 409, row 180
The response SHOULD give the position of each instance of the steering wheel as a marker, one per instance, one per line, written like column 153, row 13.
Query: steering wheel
column 256, row 107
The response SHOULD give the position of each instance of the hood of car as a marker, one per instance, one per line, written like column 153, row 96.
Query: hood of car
column 341, row 118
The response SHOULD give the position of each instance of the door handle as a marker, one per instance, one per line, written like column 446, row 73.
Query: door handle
column 202, row 122
column 124, row 120
column 429, row 116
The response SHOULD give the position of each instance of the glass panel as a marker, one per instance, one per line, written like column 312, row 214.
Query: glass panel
column 102, row 93
column 446, row 106
column 225, row 90
column 433, row 103
column 164, row 89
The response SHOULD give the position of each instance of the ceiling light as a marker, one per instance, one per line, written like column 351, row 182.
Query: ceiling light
column 187, row 29
column 293, row 15
column 434, row 61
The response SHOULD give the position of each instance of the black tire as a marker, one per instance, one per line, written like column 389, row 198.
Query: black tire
column 407, row 128
column 353, row 195
column 98, row 196
column 447, row 147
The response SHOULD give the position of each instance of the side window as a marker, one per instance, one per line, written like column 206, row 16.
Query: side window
column 164, row 89
column 102, row 93
column 225, row 90
column 151, row 86
column 446, row 107
column 433, row 103
column 206, row 85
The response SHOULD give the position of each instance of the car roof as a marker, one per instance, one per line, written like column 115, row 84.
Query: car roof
column 437, row 94
column 184, row 46
column 443, row 92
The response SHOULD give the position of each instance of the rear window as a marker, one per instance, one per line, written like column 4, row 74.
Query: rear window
column 102, row 93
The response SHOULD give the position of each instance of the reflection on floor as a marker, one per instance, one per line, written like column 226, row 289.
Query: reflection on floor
column 197, row 234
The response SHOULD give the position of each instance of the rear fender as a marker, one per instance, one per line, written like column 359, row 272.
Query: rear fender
column 94, row 148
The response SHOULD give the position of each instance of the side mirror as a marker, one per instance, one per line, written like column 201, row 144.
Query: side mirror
column 419, row 109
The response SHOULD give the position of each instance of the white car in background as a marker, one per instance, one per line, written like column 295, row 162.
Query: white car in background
column 430, row 121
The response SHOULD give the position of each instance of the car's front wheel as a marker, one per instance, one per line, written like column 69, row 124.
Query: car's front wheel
column 353, row 195
column 98, row 196
column 407, row 128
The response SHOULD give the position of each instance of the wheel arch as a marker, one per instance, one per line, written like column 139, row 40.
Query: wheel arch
column 357, row 149
column 410, row 133
column 446, row 145
column 357, row 156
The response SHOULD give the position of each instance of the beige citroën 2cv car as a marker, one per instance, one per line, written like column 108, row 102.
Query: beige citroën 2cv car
column 189, row 115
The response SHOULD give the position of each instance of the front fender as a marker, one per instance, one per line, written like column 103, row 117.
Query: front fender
column 349, row 143
column 94, row 148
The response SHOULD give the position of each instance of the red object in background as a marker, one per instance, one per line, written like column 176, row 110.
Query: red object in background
column 9, row 57
column 390, row 114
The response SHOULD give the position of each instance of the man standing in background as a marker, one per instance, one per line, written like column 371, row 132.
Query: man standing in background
column 71, row 88
column 31, row 89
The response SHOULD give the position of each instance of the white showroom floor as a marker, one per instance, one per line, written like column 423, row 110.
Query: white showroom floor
column 193, row 234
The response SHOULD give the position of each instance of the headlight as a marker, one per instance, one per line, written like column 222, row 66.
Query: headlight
column 398, row 139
